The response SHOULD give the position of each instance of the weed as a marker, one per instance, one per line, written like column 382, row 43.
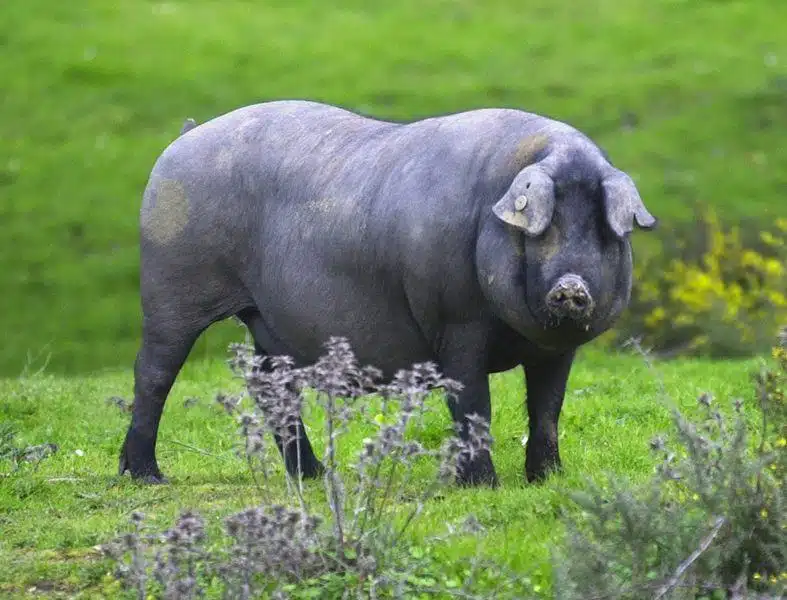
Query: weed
column 359, row 544
column 711, row 524
column 17, row 455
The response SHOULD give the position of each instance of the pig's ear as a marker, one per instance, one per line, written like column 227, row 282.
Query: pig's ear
column 529, row 202
column 188, row 125
column 623, row 205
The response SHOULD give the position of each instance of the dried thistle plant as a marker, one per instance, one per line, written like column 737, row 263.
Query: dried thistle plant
column 272, row 383
column 362, row 533
column 178, row 563
column 276, row 542
column 129, row 554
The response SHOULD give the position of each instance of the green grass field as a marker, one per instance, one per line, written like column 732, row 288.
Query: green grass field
column 690, row 97
column 52, row 518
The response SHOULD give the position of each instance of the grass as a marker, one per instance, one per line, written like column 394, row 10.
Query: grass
column 52, row 518
column 690, row 97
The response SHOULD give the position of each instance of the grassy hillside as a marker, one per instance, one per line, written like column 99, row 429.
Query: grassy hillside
column 690, row 97
column 52, row 518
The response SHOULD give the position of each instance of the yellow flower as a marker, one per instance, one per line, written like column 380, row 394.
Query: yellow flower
column 771, row 240
column 776, row 298
column 750, row 258
column 781, row 442
column 656, row 316
column 774, row 268
column 781, row 223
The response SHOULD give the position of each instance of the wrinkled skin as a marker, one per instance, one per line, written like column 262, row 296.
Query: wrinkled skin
column 480, row 241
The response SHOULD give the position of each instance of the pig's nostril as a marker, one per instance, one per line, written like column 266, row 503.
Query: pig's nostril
column 570, row 298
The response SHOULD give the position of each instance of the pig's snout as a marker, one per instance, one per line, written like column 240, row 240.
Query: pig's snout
column 570, row 298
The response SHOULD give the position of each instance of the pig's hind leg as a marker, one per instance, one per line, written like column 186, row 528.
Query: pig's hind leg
column 292, row 441
column 179, row 301
column 165, row 346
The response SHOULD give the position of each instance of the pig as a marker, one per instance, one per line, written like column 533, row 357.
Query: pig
column 479, row 241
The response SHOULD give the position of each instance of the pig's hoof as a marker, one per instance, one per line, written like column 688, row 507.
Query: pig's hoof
column 477, row 479
column 479, row 472
column 146, row 475
column 542, row 473
column 309, row 469
column 140, row 462
column 157, row 479
column 314, row 470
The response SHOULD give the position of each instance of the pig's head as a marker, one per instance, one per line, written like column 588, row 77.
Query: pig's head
column 554, row 256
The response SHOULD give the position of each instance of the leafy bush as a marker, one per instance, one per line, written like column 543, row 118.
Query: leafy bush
column 713, row 290
column 711, row 524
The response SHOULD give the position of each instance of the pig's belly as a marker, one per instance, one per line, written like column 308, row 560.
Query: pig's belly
column 298, row 319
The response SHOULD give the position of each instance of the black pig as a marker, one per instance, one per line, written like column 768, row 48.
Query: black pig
column 480, row 241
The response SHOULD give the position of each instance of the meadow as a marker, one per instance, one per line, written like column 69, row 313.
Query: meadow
column 55, row 515
column 690, row 98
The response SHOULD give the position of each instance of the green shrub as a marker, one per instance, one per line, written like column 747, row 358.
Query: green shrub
column 711, row 524
column 713, row 290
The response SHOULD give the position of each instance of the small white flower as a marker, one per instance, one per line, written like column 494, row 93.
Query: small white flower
column 524, row 440
column 79, row 452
